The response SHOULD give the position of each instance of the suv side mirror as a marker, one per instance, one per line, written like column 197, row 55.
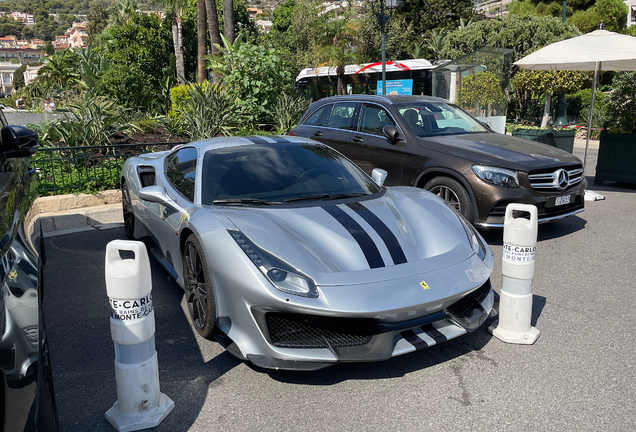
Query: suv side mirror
column 18, row 141
column 393, row 135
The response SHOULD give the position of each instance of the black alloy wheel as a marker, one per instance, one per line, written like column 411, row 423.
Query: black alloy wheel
column 198, row 289
column 129, row 216
column 453, row 193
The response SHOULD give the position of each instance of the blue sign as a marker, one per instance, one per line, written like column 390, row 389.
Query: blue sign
column 397, row 87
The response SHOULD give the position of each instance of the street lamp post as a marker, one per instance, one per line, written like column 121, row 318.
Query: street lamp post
column 384, row 18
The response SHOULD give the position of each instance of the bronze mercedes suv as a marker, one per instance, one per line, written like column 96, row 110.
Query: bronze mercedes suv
column 427, row 142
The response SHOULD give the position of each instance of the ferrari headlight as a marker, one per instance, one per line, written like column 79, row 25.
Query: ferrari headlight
column 476, row 241
column 497, row 176
column 283, row 276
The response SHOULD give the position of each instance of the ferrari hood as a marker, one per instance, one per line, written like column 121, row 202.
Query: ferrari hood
column 501, row 150
column 405, row 232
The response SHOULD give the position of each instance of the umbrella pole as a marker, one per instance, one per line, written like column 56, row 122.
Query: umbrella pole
column 589, row 122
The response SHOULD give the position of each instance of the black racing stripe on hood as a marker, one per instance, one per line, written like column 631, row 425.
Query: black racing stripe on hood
column 369, row 249
column 279, row 139
column 257, row 140
column 389, row 239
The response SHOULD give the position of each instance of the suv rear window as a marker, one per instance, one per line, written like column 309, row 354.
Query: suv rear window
column 342, row 115
column 315, row 117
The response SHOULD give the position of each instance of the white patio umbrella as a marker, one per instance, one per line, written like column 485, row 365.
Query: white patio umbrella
column 598, row 50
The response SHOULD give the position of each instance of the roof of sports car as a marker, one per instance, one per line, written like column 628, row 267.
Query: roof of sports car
column 223, row 142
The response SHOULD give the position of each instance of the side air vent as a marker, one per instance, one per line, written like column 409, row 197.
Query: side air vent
column 146, row 175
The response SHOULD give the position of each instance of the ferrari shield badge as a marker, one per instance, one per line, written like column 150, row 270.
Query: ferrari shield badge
column 424, row 285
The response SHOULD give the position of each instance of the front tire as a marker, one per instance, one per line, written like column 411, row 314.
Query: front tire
column 455, row 195
column 198, row 288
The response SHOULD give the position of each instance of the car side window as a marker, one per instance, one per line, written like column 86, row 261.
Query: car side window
column 342, row 115
column 181, row 171
column 317, row 115
column 373, row 118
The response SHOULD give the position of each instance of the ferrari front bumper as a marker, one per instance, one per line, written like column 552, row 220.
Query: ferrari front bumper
column 307, row 342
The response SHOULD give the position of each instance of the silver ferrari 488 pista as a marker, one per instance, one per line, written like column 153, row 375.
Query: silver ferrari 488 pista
column 293, row 258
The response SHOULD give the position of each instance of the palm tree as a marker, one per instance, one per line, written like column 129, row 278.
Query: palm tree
column 228, row 20
column 175, row 9
column 121, row 12
column 436, row 43
column 338, row 44
column 213, row 25
column 58, row 69
column 202, row 42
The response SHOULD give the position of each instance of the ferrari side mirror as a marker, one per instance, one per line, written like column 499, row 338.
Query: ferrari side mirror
column 158, row 194
column 379, row 175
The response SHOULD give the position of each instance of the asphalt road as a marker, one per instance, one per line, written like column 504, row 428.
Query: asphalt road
column 579, row 376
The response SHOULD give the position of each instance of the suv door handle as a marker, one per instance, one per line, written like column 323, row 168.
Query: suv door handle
column 357, row 139
column 317, row 133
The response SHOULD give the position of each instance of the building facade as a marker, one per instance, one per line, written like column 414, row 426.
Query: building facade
column 631, row 12
column 7, row 70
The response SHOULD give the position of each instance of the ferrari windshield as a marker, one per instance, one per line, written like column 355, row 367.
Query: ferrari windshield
column 437, row 118
column 279, row 173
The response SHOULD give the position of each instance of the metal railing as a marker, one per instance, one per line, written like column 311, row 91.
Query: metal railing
column 86, row 169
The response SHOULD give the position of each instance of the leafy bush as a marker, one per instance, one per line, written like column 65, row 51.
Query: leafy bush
column 287, row 111
column 128, row 85
column 178, row 95
column 148, row 125
column 256, row 73
column 622, row 104
column 579, row 107
column 482, row 89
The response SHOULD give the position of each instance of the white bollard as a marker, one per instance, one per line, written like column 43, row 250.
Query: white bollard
column 140, row 404
column 517, row 267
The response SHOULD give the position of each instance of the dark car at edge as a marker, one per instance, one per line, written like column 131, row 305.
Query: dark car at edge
column 27, row 397
column 430, row 143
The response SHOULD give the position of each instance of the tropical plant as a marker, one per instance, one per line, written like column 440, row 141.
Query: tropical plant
column 89, row 121
column 287, row 111
column 209, row 110
column 436, row 43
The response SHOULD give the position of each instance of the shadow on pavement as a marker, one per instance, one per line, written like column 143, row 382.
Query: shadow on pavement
column 610, row 186
column 82, row 353
column 468, row 346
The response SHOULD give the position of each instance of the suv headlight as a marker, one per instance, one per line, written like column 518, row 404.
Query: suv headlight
column 282, row 275
column 497, row 176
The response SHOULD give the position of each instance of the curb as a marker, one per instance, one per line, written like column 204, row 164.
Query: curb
column 62, row 214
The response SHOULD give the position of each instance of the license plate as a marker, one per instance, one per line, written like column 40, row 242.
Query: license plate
column 562, row 200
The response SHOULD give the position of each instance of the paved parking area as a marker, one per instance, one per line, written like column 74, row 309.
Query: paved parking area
column 580, row 375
